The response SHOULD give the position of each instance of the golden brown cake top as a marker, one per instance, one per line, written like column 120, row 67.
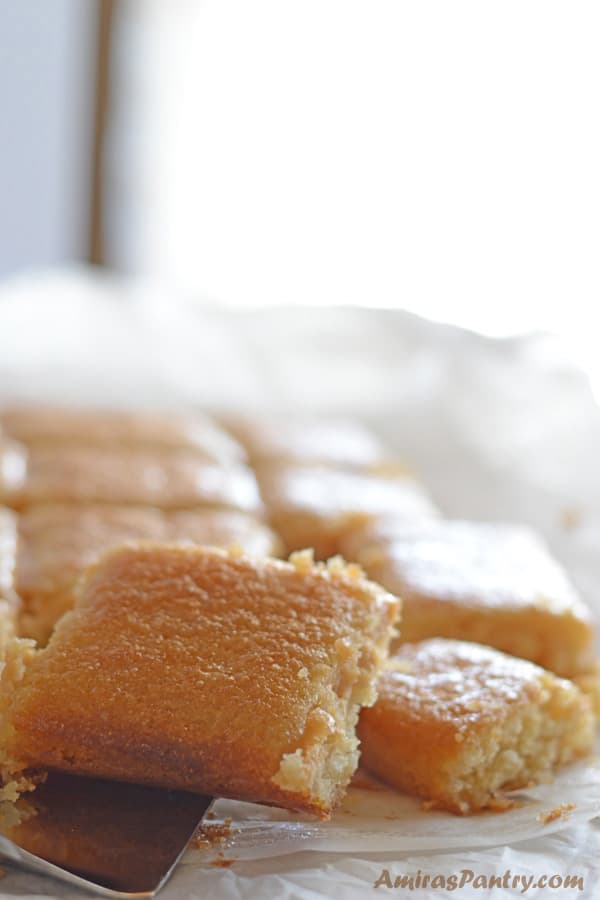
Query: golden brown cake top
column 57, row 541
column 148, row 477
column 206, row 668
column 455, row 685
column 324, row 491
column 45, row 424
column 479, row 563
column 343, row 442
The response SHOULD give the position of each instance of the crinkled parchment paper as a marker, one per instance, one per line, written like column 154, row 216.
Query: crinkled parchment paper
column 497, row 429
column 377, row 819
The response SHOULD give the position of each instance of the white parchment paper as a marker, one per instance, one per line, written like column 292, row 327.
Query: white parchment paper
column 382, row 820
column 497, row 429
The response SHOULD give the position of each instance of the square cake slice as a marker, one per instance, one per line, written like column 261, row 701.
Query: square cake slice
column 457, row 723
column 317, row 506
column 59, row 425
column 307, row 440
column 489, row 583
column 58, row 541
column 150, row 477
column 208, row 671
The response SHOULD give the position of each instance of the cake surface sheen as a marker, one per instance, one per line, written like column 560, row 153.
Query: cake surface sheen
column 490, row 583
column 317, row 506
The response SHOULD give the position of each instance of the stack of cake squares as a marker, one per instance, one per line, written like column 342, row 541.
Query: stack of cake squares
column 153, row 631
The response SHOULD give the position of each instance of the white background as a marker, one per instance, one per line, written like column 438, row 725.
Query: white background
column 441, row 157
column 431, row 155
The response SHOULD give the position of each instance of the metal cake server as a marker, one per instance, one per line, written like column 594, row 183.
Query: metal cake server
column 118, row 840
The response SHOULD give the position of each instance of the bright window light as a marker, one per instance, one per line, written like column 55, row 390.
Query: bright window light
column 441, row 157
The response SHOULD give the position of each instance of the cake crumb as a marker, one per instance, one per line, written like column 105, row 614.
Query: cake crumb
column 559, row 812
column 303, row 560
column 212, row 835
column 221, row 862
column 399, row 665
column 570, row 518
column 199, row 843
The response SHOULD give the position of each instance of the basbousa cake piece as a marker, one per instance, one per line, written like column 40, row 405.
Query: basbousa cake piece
column 208, row 671
column 61, row 425
column 307, row 440
column 458, row 723
column 317, row 506
column 489, row 583
column 58, row 541
column 149, row 477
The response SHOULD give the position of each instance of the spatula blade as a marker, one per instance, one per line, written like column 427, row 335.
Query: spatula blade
column 119, row 840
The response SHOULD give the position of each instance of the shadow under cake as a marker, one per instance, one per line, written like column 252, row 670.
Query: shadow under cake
column 458, row 723
column 204, row 670
column 58, row 541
